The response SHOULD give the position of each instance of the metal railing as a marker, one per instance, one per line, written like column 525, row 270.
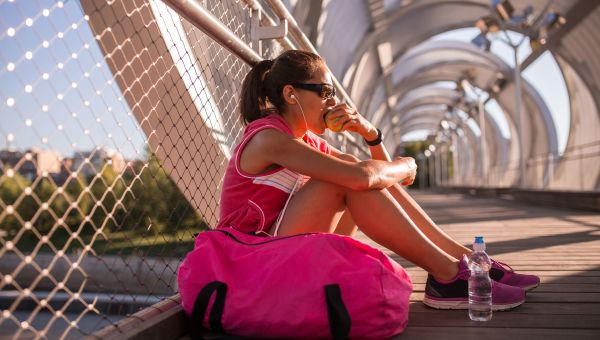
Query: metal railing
column 569, row 171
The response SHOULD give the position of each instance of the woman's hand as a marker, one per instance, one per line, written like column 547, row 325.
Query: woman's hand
column 411, row 170
column 384, row 174
column 342, row 117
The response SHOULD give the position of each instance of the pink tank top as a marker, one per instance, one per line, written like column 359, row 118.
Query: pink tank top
column 255, row 203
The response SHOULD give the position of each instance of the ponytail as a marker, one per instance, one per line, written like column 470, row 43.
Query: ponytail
column 264, row 83
column 253, row 94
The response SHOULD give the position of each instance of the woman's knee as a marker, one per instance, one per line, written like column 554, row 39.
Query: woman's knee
column 323, row 187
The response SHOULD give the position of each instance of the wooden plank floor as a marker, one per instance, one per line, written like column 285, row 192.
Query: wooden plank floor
column 561, row 246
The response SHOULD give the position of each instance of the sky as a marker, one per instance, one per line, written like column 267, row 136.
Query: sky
column 57, row 93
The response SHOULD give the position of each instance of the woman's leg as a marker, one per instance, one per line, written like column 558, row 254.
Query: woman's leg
column 346, row 225
column 426, row 224
column 417, row 215
column 319, row 206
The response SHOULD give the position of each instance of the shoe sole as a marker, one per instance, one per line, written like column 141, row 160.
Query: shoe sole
column 448, row 304
column 530, row 288
column 527, row 288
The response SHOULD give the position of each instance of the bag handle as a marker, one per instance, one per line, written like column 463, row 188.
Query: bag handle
column 339, row 319
column 201, row 304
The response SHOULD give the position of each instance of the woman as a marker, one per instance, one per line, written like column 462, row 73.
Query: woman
column 283, row 179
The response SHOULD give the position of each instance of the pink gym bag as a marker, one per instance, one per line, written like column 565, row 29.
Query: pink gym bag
column 303, row 286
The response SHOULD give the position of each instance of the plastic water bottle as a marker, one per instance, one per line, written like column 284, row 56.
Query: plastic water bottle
column 480, row 284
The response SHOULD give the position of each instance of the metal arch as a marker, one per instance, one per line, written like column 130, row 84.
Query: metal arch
column 444, row 96
column 427, row 94
column 366, row 47
column 505, row 148
column 435, row 53
column 431, row 114
column 576, row 14
column 470, row 141
column 419, row 97
column 494, row 141
column 497, row 139
column 583, row 131
column 401, row 11
column 368, row 41
column 533, row 149
column 429, row 28
column 401, row 14
column 308, row 15
column 466, row 59
column 471, row 163
column 445, row 15
column 419, row 34
column 492, row 65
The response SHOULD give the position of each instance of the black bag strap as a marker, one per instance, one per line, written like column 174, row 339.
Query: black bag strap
column 201, row 304
column 339, row 319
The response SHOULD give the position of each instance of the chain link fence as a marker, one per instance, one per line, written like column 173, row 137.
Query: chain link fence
column 117, row 121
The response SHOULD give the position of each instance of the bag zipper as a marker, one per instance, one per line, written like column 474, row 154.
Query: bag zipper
column 279, row 238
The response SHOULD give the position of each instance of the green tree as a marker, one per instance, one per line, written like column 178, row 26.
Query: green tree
column 10, row 190
column 415, row 149
column 45, row 190
column 107, row 189
column 156, row 203
column 75, row 191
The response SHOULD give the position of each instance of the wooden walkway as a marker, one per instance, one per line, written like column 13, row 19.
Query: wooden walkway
column 561, row 246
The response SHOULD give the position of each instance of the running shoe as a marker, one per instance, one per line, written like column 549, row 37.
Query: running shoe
column 454, row 294
column 503, row 273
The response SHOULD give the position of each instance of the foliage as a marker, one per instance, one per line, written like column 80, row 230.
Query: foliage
column 141, row 201
column 415, row 149
column 160, row 207
column 11, row 188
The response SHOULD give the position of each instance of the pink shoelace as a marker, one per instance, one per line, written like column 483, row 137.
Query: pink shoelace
column 503, row 265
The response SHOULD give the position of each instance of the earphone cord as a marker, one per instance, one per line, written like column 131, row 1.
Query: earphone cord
column 304, row 117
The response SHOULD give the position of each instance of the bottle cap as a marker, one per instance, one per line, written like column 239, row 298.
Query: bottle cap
column 479, row 239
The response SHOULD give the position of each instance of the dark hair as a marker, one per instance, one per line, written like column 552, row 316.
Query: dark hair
column 267, row 79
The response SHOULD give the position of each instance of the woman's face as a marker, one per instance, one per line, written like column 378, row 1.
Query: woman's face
column 311, row 98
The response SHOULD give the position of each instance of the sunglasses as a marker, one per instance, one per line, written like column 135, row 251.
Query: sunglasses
column 326, row 91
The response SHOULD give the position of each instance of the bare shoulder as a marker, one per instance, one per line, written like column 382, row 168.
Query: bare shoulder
column 254, row 157
column 270, row 139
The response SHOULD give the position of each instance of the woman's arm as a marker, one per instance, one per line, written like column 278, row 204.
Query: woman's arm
column 350, row 120
column 378, row 152
column 347, row 118
column 274, row 147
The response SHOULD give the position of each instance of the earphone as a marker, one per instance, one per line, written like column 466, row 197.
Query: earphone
column 292, row 96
